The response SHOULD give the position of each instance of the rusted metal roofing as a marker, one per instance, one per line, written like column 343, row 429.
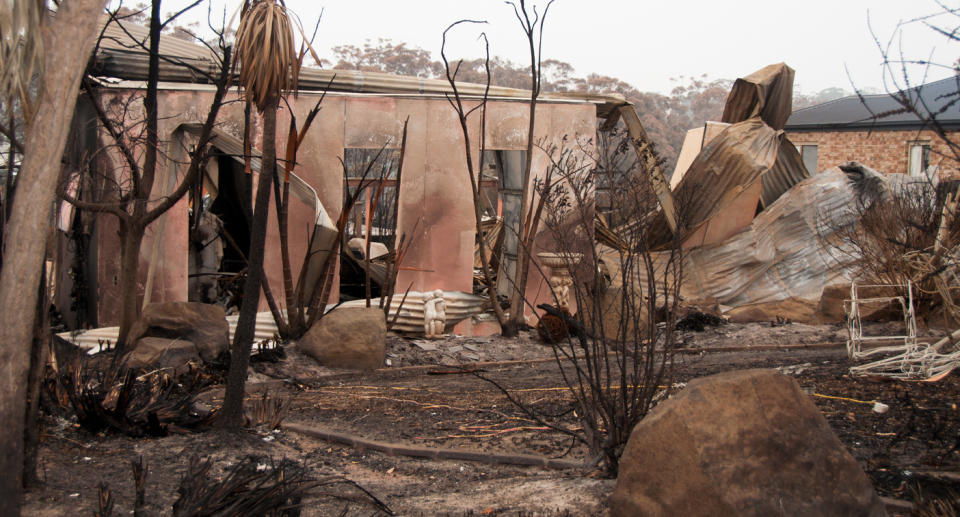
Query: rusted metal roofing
column 767, row 93
column 753, row 148
column 787, row 171
column 727, row 166
column 459, row 306
column 122, row 54
column 789, row 251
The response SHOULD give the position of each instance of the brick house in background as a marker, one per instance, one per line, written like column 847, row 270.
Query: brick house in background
column 874, row 132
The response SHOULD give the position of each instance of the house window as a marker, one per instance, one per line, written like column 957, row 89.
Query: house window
column 375, row 207
column 808, row 153
column 501, row 190
column 491, row 183
column 372, row 223
column 918, row 159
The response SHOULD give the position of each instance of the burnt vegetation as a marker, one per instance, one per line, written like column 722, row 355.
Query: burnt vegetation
column 609, row 317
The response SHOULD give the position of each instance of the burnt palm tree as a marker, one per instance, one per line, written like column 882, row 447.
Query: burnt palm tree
column 268, row 68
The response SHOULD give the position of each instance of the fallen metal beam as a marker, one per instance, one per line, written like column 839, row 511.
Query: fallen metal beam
column 645, row 155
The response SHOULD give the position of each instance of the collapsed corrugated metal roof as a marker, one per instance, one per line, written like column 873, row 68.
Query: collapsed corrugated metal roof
column 791, row 250
column 786, row 252
column 409, row 319
column 753, row 148
column 122, row 54
column 727, row 166
column 767, row 93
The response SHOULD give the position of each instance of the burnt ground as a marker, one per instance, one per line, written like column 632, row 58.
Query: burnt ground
column 911, row 450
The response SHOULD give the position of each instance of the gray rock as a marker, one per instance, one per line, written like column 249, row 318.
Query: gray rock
column 158, row 352
column 203, row 324
column 740, row 443
column 348, row 338
column 425, row 346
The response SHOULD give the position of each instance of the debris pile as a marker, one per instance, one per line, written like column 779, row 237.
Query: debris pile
column 698, row 321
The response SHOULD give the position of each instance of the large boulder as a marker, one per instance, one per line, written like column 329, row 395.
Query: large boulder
column 348, row 338
column 747, row 442
column 158, row 352
column 202, row 324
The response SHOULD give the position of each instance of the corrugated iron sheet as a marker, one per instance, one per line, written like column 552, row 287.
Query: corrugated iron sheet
column 787, row 171
column 752, row 148
column 767, row 93
column 727, row 166
column 787, row 251
column 94, row 340
column 459, row 306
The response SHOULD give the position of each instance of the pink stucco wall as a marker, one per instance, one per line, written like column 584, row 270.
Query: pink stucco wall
column 434, row 190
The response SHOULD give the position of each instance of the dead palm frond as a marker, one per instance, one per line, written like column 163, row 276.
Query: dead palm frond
column 266, row 52
column 21, row 48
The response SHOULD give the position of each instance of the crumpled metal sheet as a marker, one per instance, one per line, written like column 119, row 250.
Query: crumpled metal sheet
column 787, row 171
column 752, row 148
column 787, row 252
column 95, row 340
column 727, row 166
column 458, row 307
column 767, row 93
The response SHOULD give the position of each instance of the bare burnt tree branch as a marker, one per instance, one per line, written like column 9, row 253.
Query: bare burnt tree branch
column 137, row 141
column 910, row 232
column 615, row 354
column 172, row 17
column 528, row 227
column 11, row 137
column 474, row 172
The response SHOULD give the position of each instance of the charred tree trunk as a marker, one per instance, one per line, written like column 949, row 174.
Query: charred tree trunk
column 131, row 237
column 231, row 415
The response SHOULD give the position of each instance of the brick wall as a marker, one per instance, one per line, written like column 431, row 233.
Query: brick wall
column 885, row 151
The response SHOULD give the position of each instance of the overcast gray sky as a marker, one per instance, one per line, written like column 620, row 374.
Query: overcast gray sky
column 648, row 43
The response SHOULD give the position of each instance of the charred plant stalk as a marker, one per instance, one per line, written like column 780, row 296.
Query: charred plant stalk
column 291, row 322
column 474, row 173
column 293, row 325
column 398, row 243
column 527, row 234
column 231, row 416
column 140, row 487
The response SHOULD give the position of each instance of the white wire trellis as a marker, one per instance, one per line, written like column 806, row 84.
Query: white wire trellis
column 911, row 360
